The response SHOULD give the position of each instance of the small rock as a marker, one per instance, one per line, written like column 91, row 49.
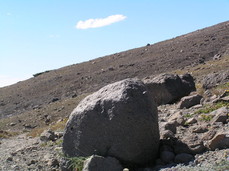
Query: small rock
column 53, row 163
column 165, row 134
column 98, row 163
column 9, row 159
column 55, row 99
column 209, row 135
column 167, row 156
column 189, row 101
column 191, row 121
column 12, row 124
column 220, row 141
column 171, row 126
column 183, row 158
column 59, row 134
column 15, row 167
column 200, row 129
column 31, row 162
column 220, row 115
column 47, row 135
column 225, row 94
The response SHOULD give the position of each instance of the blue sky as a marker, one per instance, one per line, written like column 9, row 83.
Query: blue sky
column 40, row 35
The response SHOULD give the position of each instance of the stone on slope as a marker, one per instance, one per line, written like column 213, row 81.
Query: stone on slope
column 168, row 88
column 220, row 141
column 189, row 101
column 183, row 158
column 220, row 115
column 214, row 79
column 47, row 135
column 99, row 163
column 119, row 120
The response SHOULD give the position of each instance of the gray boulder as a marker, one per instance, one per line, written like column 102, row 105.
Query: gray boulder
column 168, row 88
column 119, row 120
column 189, row 101
column 99, row 163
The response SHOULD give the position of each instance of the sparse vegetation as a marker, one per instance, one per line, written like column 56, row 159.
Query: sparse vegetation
column 220, row 89
column 212, row 107
column 206, row 117
column 76, row 163
column 7, row 134
column 189, row 115
column 36, row 132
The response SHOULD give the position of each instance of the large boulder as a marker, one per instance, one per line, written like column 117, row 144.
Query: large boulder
column 168, row 88
column 120, row 120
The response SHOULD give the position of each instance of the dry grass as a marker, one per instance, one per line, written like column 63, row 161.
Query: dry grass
column 58, row 111
column 8, row 134
column 201, row 70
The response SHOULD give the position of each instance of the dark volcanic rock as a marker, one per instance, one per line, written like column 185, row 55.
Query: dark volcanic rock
column 168, row 88
column 119, row 120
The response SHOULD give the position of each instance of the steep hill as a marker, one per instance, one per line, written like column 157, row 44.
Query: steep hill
column 69, row 82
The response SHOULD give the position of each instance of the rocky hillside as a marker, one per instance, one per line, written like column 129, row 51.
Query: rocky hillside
column 63, row 84
column 193, row 130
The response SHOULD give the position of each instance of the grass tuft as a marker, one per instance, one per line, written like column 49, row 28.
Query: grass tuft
column 212, row 107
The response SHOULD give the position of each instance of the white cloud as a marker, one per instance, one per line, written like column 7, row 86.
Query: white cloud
column 6, row 80
column 99, row 22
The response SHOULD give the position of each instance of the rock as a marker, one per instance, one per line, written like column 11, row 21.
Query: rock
column 126, row 169
column 12, row 124
column 55, row 99
column 9, row 159
column 99, row 163
column 212, row 80
column 47, row 135
column 194, row 143
column 191, row 121
column 220, row 115
column 31, row 162
column 220, row 141
column 225, row 94
column 178, row 118
column 28, row 126
column 165, row 134
column 180, row 147
column 209, row 135
column 200, row 129
column 168, row 88
column 59, row 134
column 119, row 120
column 183, row 158
column 216, row 57
column 170, row 126
column 167, row 156
column 189, row 101
column 53, row 162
